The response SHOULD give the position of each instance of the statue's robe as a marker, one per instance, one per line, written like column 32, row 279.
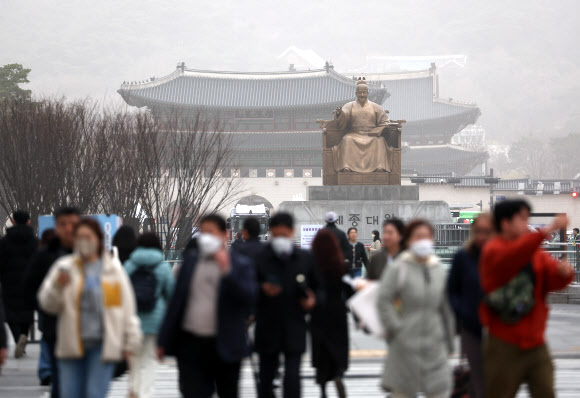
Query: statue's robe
column 357, row 150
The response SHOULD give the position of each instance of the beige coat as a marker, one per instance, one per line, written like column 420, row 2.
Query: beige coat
column 375, row 248
column 122, row 331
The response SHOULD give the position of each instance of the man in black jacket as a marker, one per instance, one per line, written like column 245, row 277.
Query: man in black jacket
column 357, row 254
column 331, row 219
column 16, row 250
column 289, row 288
column 205, row 322
column 66, row 220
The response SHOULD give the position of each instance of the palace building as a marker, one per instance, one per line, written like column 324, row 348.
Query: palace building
column 273, row 116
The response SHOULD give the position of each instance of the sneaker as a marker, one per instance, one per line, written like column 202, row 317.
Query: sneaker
column 20, row 346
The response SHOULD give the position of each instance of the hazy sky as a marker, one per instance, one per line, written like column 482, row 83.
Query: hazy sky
column 523, row 56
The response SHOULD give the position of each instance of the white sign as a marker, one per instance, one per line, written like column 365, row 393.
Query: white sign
column 307, row 234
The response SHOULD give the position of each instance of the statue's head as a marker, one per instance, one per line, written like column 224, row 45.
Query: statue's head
column 362, row 90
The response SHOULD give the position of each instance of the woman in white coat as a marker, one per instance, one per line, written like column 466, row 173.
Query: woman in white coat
column 92, row 297
column 417, row 317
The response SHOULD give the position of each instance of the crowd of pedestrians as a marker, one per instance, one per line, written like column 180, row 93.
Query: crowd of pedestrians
column 99, row 309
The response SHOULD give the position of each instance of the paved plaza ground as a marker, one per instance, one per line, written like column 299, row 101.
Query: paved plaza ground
column 18, row 379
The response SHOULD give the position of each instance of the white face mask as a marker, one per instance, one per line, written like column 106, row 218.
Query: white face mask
column 422, row 248
column 282, row 245
column 86, row 248
column 208, row 244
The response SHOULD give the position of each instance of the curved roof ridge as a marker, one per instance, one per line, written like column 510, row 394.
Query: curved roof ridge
column 152, row 83
column 452, row 101
column 253, row 75
column 403, row 75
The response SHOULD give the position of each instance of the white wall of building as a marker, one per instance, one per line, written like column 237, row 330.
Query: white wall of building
column 278, row 190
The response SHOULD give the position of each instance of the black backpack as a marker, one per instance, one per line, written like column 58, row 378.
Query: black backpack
column 144, row 284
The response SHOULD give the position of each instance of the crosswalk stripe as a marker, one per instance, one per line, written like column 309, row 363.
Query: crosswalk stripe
column 362, row 380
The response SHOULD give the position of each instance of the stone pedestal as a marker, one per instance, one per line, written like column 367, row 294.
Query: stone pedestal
column 364, row 207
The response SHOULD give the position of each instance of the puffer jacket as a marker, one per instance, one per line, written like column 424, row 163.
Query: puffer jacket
column 122, row 331
column 149, row 257
column 420, row 326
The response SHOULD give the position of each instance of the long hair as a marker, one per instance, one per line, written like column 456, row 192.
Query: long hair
column 328, row 254
column 376, row 236
column 470, row 244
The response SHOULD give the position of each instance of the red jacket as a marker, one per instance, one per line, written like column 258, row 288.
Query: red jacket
column 500, row 261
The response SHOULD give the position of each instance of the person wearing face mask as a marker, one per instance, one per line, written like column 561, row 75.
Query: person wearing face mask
column 205, row 323
column 97, row 326
column 289, row 289
column 465, row 295
column 415, row 312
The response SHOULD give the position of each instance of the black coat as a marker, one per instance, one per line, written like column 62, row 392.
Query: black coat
column 357, row 256
column 3, row 339
column 250, row 248
column 280, row 320
column 237, row 294
column 464, row 290
column 39, row 267
column 329, row 330
column 342, row 239
column 16, row 251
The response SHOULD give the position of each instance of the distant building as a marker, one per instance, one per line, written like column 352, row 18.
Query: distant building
column 470, row 137
column 273, row 115
column 398, row 64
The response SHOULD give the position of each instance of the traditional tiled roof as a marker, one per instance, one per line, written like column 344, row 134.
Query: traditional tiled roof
column 413, row 98
column 263, row 141
column 237, row 90
column 435, row 159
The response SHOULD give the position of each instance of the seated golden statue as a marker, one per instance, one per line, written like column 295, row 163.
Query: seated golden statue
column 362, row 149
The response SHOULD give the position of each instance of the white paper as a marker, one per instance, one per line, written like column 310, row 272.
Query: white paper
column 363, row 304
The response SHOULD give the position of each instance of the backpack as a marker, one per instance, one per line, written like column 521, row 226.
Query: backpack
column 144, row 284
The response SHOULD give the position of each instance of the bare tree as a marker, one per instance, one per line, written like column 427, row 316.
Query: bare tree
column 533, row 157
column 51, row 153
column 185, row 162
column 54, row 152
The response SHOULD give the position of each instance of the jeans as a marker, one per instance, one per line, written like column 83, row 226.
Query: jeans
column 143, row 364
column 355, row 272
column 268, row 369
column 44, row 361
column 87, row 377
